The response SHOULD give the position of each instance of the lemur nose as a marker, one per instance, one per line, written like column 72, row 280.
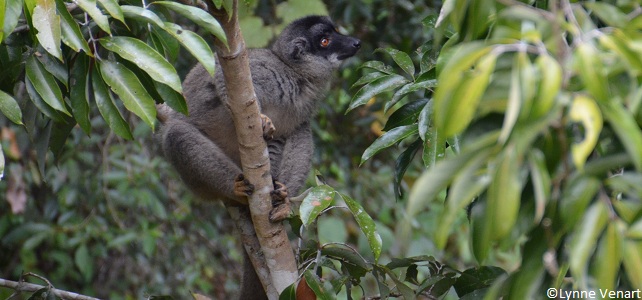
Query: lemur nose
column 357, row 44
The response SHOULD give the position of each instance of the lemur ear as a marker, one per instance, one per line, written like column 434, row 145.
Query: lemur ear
column 299, row 47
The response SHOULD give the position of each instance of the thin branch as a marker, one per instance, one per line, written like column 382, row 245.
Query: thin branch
column 30, row 287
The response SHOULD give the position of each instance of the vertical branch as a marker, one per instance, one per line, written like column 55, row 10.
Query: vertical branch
column 242, row 101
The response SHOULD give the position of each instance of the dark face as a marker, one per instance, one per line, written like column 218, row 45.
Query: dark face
column 327, row 42
column 322, row 39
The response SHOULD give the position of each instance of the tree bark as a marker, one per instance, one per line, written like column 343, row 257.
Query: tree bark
column 276, row 252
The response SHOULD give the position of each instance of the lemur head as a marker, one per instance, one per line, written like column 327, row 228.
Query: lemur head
column 314, row 42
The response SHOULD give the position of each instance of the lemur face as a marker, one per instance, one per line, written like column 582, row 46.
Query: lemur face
column 323, row 40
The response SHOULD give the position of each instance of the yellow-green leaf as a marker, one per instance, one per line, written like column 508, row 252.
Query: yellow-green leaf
column 585, row 111
column 632, row 261
column 456, row 102
column 608, row 256
column 504, row 194
column 549, row 85
column 591, row 70
column 584, row 240
column 626, row 129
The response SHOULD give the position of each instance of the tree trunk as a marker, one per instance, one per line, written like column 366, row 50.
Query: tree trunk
column 276, row 251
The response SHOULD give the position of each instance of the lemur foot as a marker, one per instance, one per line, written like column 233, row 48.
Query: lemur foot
column 268, row 127
column 242, row 186
column 280, row 203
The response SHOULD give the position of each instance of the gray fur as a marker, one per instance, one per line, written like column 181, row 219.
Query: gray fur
column 289, row 78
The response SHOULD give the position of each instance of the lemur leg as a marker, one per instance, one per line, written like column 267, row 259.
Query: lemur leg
column 203, row 166
column 293, row 168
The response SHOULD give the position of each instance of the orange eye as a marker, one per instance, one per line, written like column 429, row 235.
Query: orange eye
column 325, row 42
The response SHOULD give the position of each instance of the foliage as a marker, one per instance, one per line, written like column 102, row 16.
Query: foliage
column 539, row 110
column 110, row 207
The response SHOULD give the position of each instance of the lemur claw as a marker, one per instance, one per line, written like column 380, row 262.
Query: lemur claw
column 268, row 127
column 242, row 186
column 280, row 203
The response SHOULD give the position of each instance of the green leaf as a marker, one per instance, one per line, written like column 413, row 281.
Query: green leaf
column 621, row 44
column 125, row 84
column 351, row 260
column 406, row 114
column 59, row 134
column 141, row 14
column 123, row 239
column 405, row 290
column 402, row 59
column 366, row 224
column 377, row 66
column 504, row 194
column 12, row 13
column 54, row 67
column 626, row 130
column 608, row 257
column 10, row 108
column 541, row 181
column 112, row 7
column 315, row 285
column 45, row 85
column 145, row 58
column 424, row 121
column 388, row 139
column 467, row 184
column 610, row 14
column 477, row 278
column 47, row 22
column 376, row 87
column 200, row 17
column 171, row 47
column 456, row 103
column 515, row 97
column 289, row 293
column 633, row 262
column 89, row 6
column 368, row 78
column 437, row 178
column 434, row 147
column 41, row 104
column 71, row 34
column 407, row 89
column 175, row 100
column 318, row 199
column 107, row 107
column 584, row 240
column 195, row 44
column 402, row 164
column 591, row 72
column 2, row 14
column 84, row 262
column 577, row 197
column 585, row 111
column 80, row 89
column 549, row 85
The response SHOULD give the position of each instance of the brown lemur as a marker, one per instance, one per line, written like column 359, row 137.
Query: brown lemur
column 289, row 78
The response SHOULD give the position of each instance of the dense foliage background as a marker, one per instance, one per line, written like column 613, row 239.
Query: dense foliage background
column 503, row 134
